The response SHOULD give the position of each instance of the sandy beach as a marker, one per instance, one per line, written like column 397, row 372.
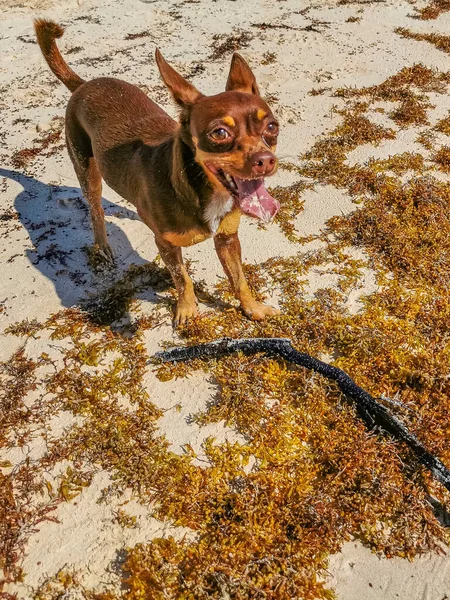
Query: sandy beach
column 75, row 522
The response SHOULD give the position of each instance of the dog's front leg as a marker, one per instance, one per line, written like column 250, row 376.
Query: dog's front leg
column 187, row 302
column 228, row 248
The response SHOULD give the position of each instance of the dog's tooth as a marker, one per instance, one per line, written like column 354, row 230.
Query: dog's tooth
column 230, row 181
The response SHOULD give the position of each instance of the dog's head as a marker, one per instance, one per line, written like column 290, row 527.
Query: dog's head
column 233, row 135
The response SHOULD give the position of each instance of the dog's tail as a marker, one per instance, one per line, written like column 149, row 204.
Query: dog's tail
column 46, row 33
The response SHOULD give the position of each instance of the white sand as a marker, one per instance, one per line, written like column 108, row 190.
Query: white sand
column 337, row 54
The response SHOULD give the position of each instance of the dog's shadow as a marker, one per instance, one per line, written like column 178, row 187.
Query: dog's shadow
column 58, row 223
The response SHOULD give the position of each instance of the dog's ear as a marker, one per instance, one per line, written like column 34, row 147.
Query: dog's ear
column 241, row 78
column 183, row 92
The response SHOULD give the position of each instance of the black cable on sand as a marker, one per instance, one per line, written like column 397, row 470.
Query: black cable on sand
column 369, row 409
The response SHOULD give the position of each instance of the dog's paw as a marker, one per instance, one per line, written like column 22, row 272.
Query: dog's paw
column 258, row 311
column 185, row 310
column 105, row 253
column 100, row 256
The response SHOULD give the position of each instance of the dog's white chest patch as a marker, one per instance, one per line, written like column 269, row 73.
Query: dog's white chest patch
column 216, row 210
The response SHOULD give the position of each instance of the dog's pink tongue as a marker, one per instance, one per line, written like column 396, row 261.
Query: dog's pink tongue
column 255, row 200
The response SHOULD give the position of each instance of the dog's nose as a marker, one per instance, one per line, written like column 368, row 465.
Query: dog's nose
column 263, row 163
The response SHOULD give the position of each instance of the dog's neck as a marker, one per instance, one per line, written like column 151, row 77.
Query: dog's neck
column 192, row 187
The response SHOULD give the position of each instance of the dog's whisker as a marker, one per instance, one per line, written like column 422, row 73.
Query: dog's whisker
column 285, row 156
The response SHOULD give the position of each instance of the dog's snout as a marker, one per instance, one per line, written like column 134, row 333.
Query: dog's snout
column 263, row 163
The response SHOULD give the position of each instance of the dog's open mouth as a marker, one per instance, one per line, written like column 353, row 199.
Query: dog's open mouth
column 250, row 194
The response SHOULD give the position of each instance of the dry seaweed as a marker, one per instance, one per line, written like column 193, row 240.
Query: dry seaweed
column 318, row 91
column 442, row 158
column 433, row 10
column 114, row 302
column 139, row 35
column 443, row 126
column 398, row 164
column 441, row 42
column 399, row 88
column 291, row 206
column 269, row 58
column 22, row 158
column 225, row 44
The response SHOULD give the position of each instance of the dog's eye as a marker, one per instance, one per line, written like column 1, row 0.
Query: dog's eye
column 272, row 128
column 220, row 134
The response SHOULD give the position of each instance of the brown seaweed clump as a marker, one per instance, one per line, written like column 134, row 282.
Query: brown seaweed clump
column 442, row 158
column 45, row 145
column 439, row 41
column 433, row 10
column 443, row 126
column 408, row 89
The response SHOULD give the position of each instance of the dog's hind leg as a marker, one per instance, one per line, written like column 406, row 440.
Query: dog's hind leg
column 88, row 174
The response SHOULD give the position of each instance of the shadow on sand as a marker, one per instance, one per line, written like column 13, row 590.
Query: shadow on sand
column 58, row 223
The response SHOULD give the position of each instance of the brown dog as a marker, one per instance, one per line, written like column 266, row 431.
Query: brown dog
column 189, row 180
